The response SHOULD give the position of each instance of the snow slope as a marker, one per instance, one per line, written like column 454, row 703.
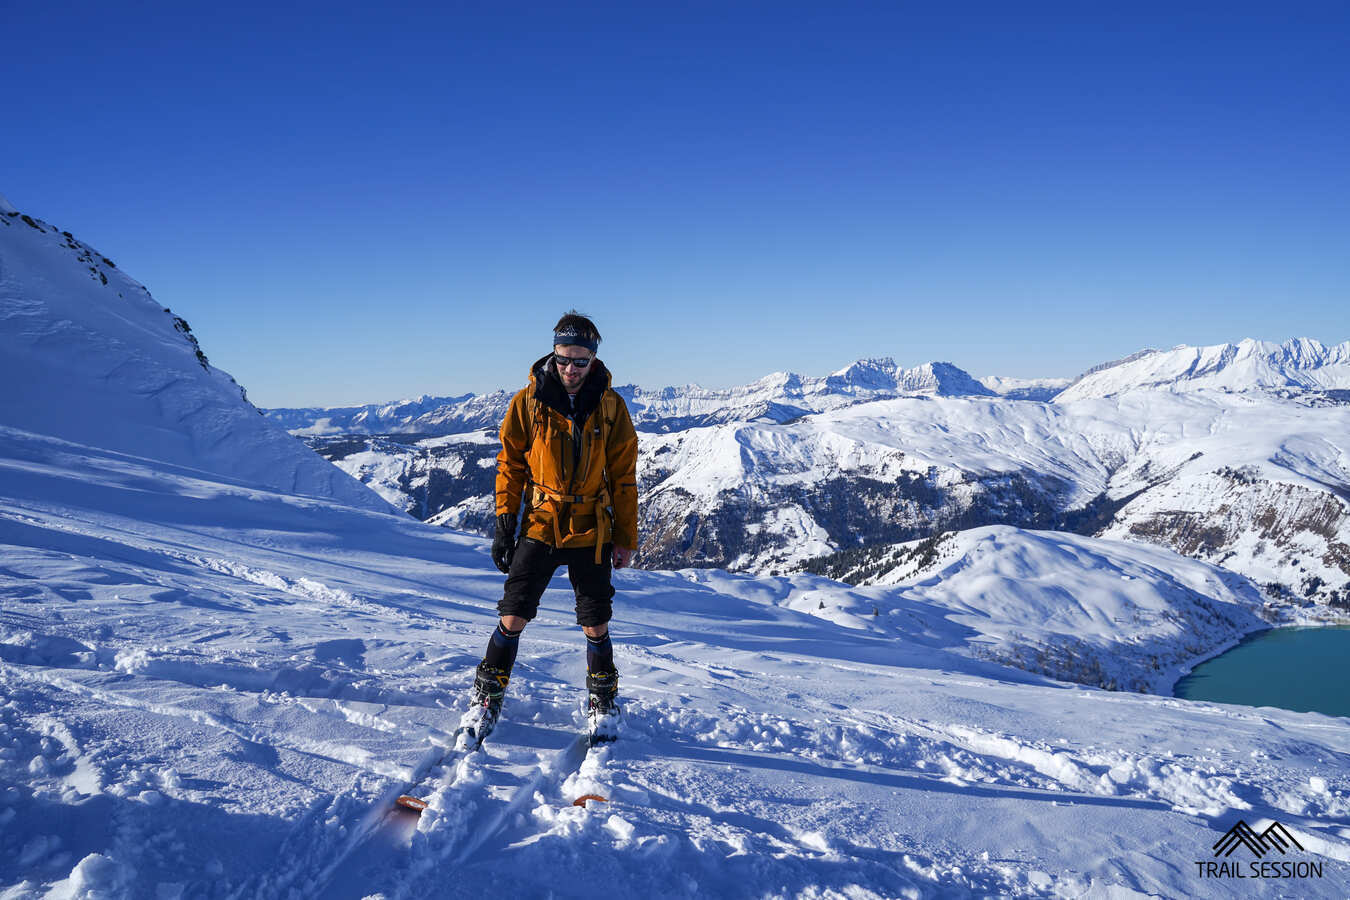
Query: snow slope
column 1098, row 612
column 95, row 360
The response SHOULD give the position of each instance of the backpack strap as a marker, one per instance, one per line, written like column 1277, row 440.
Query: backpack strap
column 531, row 428
column 609, row 411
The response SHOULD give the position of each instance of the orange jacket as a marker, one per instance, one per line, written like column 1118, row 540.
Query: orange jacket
column 581, row 468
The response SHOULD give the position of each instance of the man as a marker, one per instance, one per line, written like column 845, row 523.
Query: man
column 569, row 458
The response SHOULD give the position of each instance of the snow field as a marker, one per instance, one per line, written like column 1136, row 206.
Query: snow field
column 270, row 691
column 680, row 798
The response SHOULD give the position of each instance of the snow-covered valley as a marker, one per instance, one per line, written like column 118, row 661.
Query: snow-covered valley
column 221, row 658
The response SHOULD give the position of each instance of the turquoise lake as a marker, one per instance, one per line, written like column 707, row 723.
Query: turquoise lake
column 1302, row 669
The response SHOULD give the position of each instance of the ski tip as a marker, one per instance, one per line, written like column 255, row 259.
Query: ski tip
column 411, row 803
column 581, row 801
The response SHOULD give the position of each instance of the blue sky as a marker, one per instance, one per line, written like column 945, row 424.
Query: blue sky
column 354, row 206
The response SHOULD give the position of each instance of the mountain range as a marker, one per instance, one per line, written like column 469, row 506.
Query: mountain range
column 1233, row 453
column 1299, row 366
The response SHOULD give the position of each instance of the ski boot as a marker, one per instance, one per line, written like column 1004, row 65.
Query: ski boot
column 602, row 707
column 489, row 688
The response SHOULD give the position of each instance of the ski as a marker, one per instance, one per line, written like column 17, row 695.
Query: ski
column 602, row 731
column 474, row 728
column 409, row 799
column 585, row 798
column 390, row 820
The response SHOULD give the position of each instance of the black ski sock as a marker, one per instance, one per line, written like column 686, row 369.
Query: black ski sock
column 599, row 654
column 501, row 648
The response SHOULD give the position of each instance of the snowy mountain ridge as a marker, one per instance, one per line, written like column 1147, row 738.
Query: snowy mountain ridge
column 777, row 397
column 784, row 396
column 1298, row 364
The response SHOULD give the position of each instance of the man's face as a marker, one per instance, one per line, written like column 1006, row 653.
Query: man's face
column 571, row 376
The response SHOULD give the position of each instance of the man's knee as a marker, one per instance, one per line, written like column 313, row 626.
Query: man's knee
column 595, row 631
column 514, row 623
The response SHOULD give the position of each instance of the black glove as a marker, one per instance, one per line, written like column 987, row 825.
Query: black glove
column 504, row 544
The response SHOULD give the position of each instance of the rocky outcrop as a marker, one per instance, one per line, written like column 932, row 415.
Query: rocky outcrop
column 1291, row 539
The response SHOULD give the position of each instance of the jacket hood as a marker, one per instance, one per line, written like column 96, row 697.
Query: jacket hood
column 548, row 388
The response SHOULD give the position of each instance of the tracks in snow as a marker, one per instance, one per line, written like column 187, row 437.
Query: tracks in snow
column 390, row 851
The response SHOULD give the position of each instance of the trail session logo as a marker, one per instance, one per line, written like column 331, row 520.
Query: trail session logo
column 1275, row 841
column 1276, row 837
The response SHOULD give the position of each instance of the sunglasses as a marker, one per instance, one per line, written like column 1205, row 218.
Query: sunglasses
column 563, row 361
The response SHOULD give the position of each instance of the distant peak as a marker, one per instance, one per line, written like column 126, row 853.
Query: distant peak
column 874, row 364
column 943, row 379
column 5, row 206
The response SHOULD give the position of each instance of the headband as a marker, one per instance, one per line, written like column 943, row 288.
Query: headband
column 572, row 337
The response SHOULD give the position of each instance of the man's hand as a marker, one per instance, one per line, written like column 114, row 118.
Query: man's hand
column 504, row 544
column 622, row 556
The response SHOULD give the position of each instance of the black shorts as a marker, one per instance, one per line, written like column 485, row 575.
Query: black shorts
column 532, row 568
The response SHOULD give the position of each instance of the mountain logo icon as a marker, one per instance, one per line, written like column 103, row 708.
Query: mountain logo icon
column 1275, row 838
